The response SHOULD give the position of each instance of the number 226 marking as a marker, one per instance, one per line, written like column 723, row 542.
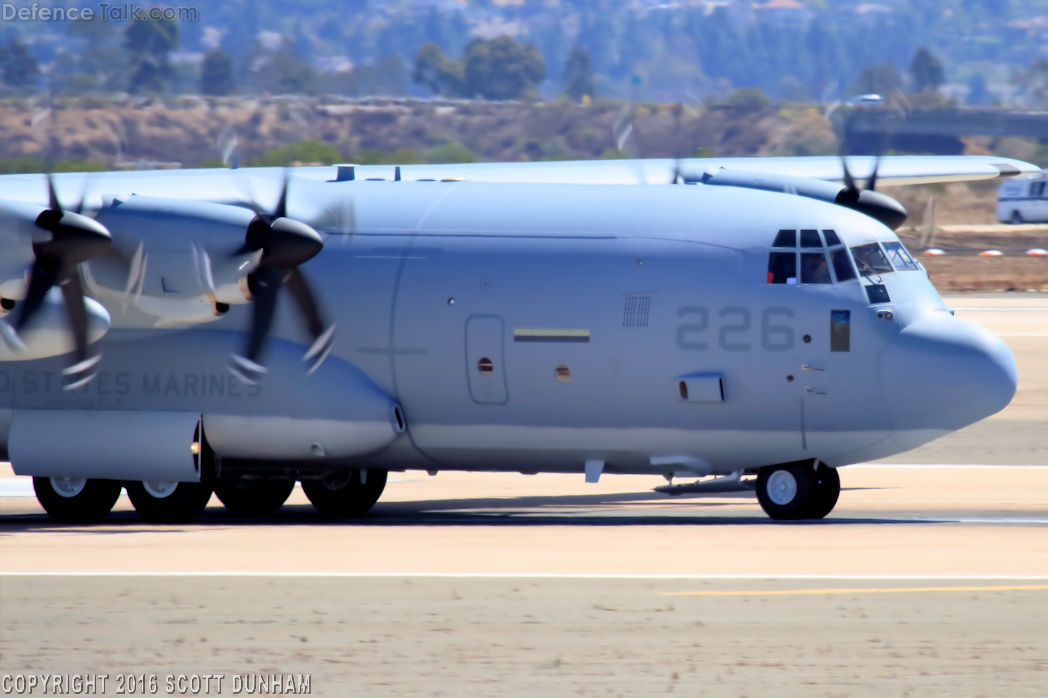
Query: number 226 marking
column 734, row 329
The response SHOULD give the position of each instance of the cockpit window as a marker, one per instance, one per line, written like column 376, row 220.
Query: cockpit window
column 785, row 238
column 814, row 269
column 782, row 268
column 870, row 259
column 799, row 259
column 899, row 256
column 842, row 266
column 810, row 238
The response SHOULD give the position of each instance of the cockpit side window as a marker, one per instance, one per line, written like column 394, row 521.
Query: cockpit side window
column 782, row 268
column 870, row 259
column 899, row 256
column 842, row 266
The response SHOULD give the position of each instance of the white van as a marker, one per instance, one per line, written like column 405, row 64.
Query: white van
column 1023, row 200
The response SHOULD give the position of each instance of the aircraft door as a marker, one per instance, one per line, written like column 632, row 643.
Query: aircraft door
column 833, row 382
column 485, row 360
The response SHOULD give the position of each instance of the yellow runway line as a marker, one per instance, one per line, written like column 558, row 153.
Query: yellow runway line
column 858, row 590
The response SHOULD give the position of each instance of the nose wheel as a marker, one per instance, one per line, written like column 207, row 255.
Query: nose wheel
column 792, row 491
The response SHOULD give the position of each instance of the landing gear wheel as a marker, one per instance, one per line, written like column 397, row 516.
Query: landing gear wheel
column 246, row 496
column 347, row 493
column 1016, row 219
column 785, row 491
column 76, row 499
column 824, row 495
column 168, row 502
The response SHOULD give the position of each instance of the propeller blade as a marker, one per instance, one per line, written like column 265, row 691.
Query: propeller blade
column 281, row 210
column 52, row 195
column 264, row 285
column 42, row 277
column 76, row 312
column 849, row 181
column 323, row 338
column 871, row 183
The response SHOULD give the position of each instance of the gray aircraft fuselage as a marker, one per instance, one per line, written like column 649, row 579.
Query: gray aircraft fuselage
column 534, row 328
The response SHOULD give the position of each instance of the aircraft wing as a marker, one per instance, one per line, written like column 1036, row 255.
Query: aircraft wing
column 894, row 170
column 227, row 186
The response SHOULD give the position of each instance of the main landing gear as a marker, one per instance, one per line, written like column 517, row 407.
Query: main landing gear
column 346, row 493
column 168, row 502
column 76, row 499
column 244, row 495
column 801, row 490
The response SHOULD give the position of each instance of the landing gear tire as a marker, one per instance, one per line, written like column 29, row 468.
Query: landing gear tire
column 827, row 490
column 76, row 499
column 245, row 496
column 1016, row 219
column 347, row 493
column 169, row 502
column 785, row 491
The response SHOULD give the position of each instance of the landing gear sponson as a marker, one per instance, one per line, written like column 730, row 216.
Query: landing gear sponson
column 799, row 490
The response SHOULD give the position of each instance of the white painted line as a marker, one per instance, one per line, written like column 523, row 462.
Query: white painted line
column 1003, row 310
column 533, row 575
column 944, row 466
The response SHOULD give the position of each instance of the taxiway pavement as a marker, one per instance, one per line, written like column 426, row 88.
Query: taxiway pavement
column 926, row 580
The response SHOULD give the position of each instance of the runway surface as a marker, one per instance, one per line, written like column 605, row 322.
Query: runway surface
column 925, row 580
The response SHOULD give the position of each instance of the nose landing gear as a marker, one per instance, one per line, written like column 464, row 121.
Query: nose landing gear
column 800, row 490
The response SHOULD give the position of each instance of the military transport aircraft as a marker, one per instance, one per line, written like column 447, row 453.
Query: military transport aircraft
column 540, row 317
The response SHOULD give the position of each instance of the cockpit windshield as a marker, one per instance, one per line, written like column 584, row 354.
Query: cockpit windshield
column 871, row 259
column 900, row 257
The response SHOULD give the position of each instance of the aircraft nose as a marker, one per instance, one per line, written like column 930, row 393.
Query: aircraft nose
column 942, row 373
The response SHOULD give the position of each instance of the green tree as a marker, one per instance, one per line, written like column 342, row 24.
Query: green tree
column 288, row 73
column 298, row 152
column 148, row 45
column 926, row 71
column 452, row 151
column 18, row 67
column 216, row 73
column 1033, row 83
column 578, row 78
column 883, row 78
column 502, row 68
column 434, row 70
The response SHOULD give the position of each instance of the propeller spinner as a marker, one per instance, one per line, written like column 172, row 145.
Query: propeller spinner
column 74, row 238
column 285, row 244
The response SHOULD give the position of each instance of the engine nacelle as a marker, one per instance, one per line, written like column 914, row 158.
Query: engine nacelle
column 179, row 261
column 49, row 334
column 872, row 203
column 350, row 416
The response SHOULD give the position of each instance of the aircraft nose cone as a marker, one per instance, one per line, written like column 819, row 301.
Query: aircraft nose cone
column 943, row 373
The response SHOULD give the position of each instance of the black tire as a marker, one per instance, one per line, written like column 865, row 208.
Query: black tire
column 180, row 502
column 76, row 500
column 245, row 496
column 827, row 490
column 785, row 491
column 343, row 494
column 1016, row 219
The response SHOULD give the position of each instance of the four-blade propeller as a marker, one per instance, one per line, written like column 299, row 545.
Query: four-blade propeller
column 868, row 201
column 72, row 238
column 285, row 244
